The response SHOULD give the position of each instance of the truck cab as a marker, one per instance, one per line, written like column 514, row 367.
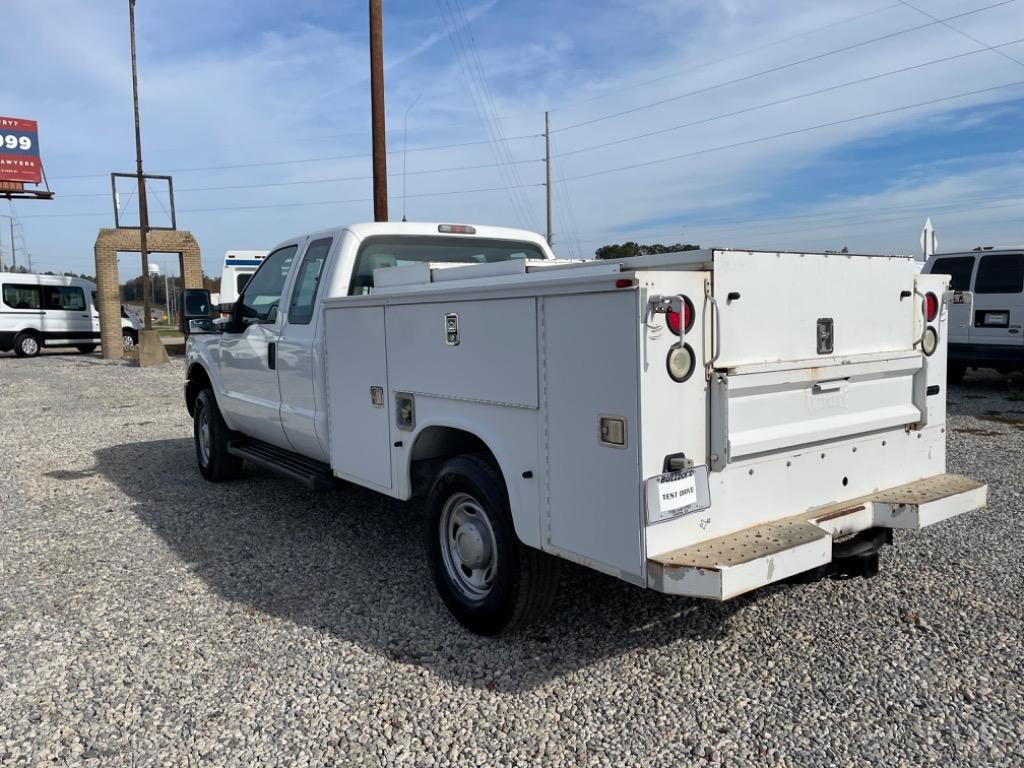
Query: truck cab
column 267, row 364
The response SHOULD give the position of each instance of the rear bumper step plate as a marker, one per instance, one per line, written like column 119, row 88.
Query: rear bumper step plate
column 739, row 562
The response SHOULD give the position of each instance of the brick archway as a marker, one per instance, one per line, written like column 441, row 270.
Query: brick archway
column 108, row 243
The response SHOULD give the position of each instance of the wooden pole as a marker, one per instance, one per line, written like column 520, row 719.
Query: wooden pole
column 143, row 207
column 380, row 159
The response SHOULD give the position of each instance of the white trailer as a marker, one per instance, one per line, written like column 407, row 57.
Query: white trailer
column 700, row 423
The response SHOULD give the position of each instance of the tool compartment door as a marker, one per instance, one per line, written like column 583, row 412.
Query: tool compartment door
column 757, row 412
column 358, row 422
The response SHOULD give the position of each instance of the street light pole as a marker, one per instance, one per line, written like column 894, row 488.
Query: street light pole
column 143, row 207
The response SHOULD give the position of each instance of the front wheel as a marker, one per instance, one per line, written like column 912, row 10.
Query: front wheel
column 26, row 345
column 490, row 582
column 211, row 437
column 129, row 338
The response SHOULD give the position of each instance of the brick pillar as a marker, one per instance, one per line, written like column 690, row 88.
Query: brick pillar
column 108, row 294
column 191, row 263
column 108, row 243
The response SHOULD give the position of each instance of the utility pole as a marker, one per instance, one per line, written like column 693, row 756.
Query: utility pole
column 143, row 207
column 380, row 159
column 547, row 170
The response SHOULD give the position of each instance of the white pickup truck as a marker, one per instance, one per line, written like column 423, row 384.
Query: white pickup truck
column 700, row 423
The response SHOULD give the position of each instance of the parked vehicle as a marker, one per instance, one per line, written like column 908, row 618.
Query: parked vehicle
column 239, row 267
column 39, row 311
column 699, row 423
column 986, row 313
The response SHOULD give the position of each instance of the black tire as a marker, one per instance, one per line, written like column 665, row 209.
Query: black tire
column 129, row 338
column 215, row 463
column 86, row 349
column 27, row 344
column 523, row 580
column 955, row 372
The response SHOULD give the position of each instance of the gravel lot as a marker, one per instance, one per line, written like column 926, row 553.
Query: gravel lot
column 149, row 618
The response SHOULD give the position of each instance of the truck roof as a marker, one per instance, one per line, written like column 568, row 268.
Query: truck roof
column 432, row 229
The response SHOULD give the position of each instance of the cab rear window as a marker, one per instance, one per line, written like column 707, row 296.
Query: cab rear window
column 1000, row 273
column 959, row 268
column 399, row 251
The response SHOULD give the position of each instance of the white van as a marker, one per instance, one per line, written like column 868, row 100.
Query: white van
column 39, row 311
column 239, row 266
column 986, row 314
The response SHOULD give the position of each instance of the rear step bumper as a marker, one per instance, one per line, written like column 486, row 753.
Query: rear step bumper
column 739, row 562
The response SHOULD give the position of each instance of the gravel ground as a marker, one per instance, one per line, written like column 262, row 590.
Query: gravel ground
column 149, row 618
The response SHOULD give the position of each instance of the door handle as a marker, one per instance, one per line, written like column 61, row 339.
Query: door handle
column 272, row 355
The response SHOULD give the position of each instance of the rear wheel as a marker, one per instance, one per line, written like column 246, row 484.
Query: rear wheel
column 86, row 349
column 26, row 345
column 955, row 372
column 487, row 578
column 211, row 437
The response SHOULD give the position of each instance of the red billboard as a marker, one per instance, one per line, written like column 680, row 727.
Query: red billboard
column 19, row 150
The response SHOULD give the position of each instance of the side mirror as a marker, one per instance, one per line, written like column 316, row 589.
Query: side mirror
column 195, row 311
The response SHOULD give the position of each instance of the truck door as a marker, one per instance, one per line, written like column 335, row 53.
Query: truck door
column 248, row 353
column 960, row 269
column 298, row 361
column 998, row 312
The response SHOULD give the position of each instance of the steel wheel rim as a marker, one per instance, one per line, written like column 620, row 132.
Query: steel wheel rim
column 468, row 546
column 204, row 436
column 127, row 340
column 29, row 345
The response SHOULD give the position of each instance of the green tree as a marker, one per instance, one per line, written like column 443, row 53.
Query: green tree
column 628, row 249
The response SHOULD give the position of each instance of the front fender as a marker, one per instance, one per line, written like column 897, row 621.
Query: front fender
column 202, row 353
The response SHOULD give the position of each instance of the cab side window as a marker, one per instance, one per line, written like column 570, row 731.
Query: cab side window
column 259, row 303
column 300, row 312
column 957, row 267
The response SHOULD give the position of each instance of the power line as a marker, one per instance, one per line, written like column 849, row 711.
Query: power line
column 861, row 217
column 283, row 205
column 724, row 59
column 315, row 181
column 793, row 132
column 961, row 32
column 780, row 67
column 471, row 68
column 788, row 99
column 304, row 160
column 502, row 143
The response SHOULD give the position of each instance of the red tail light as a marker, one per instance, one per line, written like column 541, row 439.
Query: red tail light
column 931, row 306
column 680, row 322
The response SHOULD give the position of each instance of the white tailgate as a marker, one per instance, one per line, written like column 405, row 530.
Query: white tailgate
column 765, row 411
column 360, row 438
column 778, row 299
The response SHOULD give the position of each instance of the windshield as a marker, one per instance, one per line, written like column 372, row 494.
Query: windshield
column 400, row 251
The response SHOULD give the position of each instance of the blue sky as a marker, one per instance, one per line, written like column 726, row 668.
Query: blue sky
column 703, row 86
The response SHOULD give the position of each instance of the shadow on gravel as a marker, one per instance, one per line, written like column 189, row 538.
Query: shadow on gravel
column 349, row 563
